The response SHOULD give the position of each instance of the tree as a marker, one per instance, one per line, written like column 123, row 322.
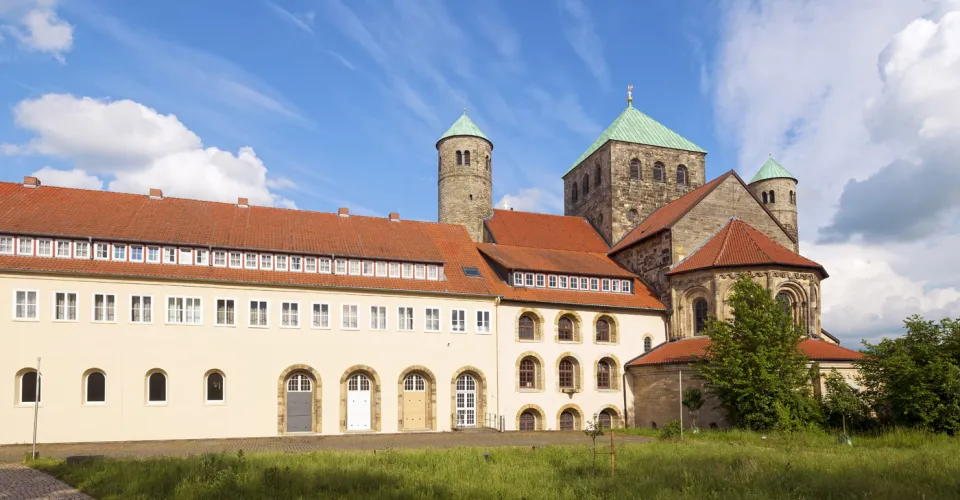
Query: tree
column 693, row 401
column 843, row 406
column 754, row 366
column 914, row 380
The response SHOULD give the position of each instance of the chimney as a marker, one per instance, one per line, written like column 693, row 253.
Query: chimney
column 343, row 212
column 243, row 203
column 30, row 181
column 395, row 216
column 156, row 194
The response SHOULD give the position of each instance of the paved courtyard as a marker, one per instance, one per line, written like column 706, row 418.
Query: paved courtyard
column 19, row 482
column 299, row 444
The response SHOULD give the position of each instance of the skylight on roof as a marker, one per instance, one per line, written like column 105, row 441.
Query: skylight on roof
column 471, row 272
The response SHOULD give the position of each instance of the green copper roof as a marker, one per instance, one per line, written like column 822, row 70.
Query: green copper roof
column 634, row 126
column 772, row 170
column 464, row 126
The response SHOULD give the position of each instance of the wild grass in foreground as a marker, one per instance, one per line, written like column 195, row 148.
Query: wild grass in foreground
column 708, row 465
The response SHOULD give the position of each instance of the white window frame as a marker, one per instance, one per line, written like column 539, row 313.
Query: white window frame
column 265, row 261
column 239, row 264
column 394, row 271
column 143, row 256
column 57, row 246
column 329, row 315
column 216, row 312
column 220, row 253
column 97, row 246
column 594, row 284
column 53, row 311
column 420, row 271
column 584, row 284
column 185, row 256
column 77, row 245
column 574, row 283
column 169, row 252
column 354, row 267
column 296, row 264
column 281, row 263
column 344, row 316
column 206, row 386
column 49, row 242
column 294, row 317
column 36, row 308
column 340, row 266
column 117, row 249
column 166, row 316
column 552, row 281
column 25, row 239
column 251, row 256
column 433, row 272
column 368, row 268
column 39, row 397
column 426, row 319
column 130, row 310
column 86, row 382
column 12, row 240
column 166, row 389
column 146, row 255
column 324, row 262
column 201, row 257
column 541, row 281
column 265, row 314
column 442, row 276
column 615, row 286
column 381, row 271
column 625, row 286
column 605, row 285
column 562, row 282
column 528, row 279
column 93, row 307
column 458, row 324
column 401, row 323
column 406, row 271
column 517, row 279
column 478, row 325
column 308, row 263
column 379, row 313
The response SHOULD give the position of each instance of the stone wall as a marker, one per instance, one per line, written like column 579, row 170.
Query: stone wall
column 650, row 259
column 596, row 204
column 782, row 208
column 465, row 192
column 656, row 397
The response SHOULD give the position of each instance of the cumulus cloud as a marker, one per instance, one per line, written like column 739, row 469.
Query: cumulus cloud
column 36, row 25
column 138, row 148
column 532, row 200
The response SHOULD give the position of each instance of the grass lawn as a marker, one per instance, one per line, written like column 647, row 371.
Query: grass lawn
column 711, row 465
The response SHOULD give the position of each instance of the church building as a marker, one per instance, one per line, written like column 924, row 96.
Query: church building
column 156, row 317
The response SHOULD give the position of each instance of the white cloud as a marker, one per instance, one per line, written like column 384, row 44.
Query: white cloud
column 37, row 26
column 140, row 149
column 302, row 21
column 584, row 39
column 532, row 200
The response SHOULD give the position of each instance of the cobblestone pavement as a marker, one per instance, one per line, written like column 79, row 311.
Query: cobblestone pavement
column 19, row 482
column 300, row 444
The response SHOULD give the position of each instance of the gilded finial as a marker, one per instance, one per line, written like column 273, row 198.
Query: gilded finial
column 464, row 110
column 629, row 94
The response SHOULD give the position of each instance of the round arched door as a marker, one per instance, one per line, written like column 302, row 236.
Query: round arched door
column 299, row 403
column 466, row 401
column 414, row 402
column 358, row 403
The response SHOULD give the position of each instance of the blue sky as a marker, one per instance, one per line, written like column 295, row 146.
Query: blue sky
column 320, row 104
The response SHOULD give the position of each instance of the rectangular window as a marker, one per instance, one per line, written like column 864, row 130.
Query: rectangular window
column 258, row 313
column 378, row 317
column 184, row 310
column 141, row 309
column 104, row 307
column 517, row 279
column 594, row 284
column 281, row 264
column 574, row 283
column 483, row 321
column 625, row 286
column 219, row 258
column 321, row 315
column 541, row 281
column 65, row 306
column 458, row 320
column 202, row 258
column 296, row 264
column 186, row 256
column 432, row 272
column 101, row 251
column 528, row 280
column 236, row 260
column 169, row 255
column 45, row 248
column 226, row 312
column 605, row 285
column 552, row 281
column 250, row 261
column 325, row 265
column 584, row 283
column 63, row 249
column 562, row 282
column 405, row 315
column 6, row 245
column 25, row 304
column 266, row 262
column 354, row 268
column 290, row 315
column 136, row 253
column 382, row 269
column 420, row 271
column 153, row 255
column 368, row 268
column 310, row 264
column 407, row 271
column 431, row 319
column 394, row 269
column 349, row 320
column 341, row 266
column 615, row 286
column 81, row 250
column 24, row 246
column 119, row 252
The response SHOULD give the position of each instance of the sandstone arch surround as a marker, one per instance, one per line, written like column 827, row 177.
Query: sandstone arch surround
column 315, row 425
column 375, row 391
column 577, row 416
column 577, row 371
column 577, row 327
column 617, row 415
column 539, row 416
column 481, row 394
column 616, row 373
column 431, row 401
column 614, row 327
column 537, row 327
column 686, row 312
column 541, row 369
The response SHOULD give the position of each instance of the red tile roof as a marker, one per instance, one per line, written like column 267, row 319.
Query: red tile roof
column 554, row 232
column 667, row 215
column 689, row 349
column 739, row 244
column 554, row 261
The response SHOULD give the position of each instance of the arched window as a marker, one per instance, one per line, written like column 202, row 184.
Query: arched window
column 647, row 344
column 681, row 175
column 466, row 158
column 299, row 382
column 603, row 330
column 488, row 163
column 528, row 327
column 606, row 419
column 528, row 421
column 566, row 374
column 603, row 374
column 699, row 315
column 596, row 176
column 215, row 387
column 30, row 390
column 793, row 198
column 632, row 215
column 765, row 198
column 785, row 301
column 459, row 158
column 95, row 388
column 567, row 421
column 414, row 383
column 358, row 382
column 157, row 388
column 528, row 374
column 772, row 197
column 586, row 184
column 575, row 193
column 565, row 329
column 658, row 172
column 635, row 169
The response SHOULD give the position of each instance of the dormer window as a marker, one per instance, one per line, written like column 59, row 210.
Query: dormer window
column 340, row 266
column 605, row 285
column 25, row 246
column 574, row 283
column 394, row 269
column 236, row 260
column 625, row 286
column 562, row 282
column 381, row 269
column 310, row 264
column 266, row 262
column 220, row 258
column 170, row 256
column 324, row 265
column 186, row 256
column 81, row 250
column 63, row 249
column 136, row 253
column 594, row 284
column 517, row 279
column 420, row 271
column 432, row 273
column 6, row 245
column 119, row 252
column 368, row 268
column 281, row 262
column 296, row 264
column 615, row 286
column 552, row 281
column 354, row 268
column 250, row 261
column 528, row 281
column 202, row 257
column 541, row 281
column 407, row 271
column 45, row 248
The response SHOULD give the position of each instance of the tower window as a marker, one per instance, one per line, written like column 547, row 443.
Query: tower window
column 471, row 197
column 635, row 169
column 586, row 184
column 681, row 175
column 764, row 197
column 793, row 198
column 466, row 158
column 699, row 315
column 575, row 193
column 596, row 176
column 772, row 198
column 459, row 158
column 632, row 215
column 658, row 175
column 488, row 163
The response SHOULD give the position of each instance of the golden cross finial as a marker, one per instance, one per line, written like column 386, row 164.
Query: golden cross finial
column 629, row 94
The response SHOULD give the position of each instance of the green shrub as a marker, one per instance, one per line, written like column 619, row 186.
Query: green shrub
column 670, row 430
